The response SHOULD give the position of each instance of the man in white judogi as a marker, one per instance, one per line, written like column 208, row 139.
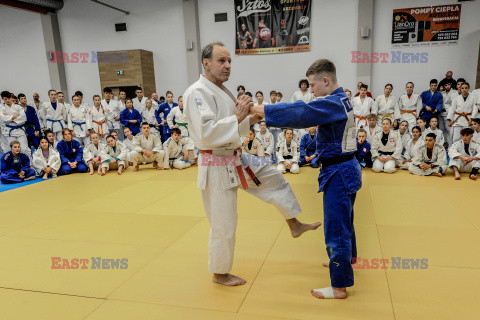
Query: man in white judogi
column 54, row 114
column 77, row 122
column 12, row 118
column 112, row 109
column 139, row 101
column 465, row 155
column 147, row 148
column 216, row 122
column 410, row 105
column 362, row 107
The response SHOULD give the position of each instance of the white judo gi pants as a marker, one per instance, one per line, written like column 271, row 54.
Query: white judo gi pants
column 387, row 167
column 180, row 164
column 221, row 210
column 295, row 168
column 138, row 157
column 419, row 172
column 447, row 131
column 461, row 168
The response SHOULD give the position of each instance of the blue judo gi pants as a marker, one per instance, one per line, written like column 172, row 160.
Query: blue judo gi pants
column 339, row 231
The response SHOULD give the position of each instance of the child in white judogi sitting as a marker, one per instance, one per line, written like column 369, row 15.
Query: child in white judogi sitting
column 288, row 154
column 434, row 129
column 46, row 160
column 91, row 153
column 179, row 152
column 147, row 148
column 252, row 144
column 386, row 148
column 465, row 155
column 113, row 156
column 430, row 159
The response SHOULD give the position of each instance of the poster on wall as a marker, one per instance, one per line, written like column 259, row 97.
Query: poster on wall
column 426, row 26
column 272, row 26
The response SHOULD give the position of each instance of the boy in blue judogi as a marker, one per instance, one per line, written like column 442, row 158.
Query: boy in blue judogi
column 15, row 166
column 340, row 177
column 432, row 102
column 32, row 125
column 308, row 149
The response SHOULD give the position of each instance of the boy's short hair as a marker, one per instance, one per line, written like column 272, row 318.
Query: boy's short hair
column 476, row 120
column 466, row 132
column 273, row 92
column 145, row 124
column 431, row 135
column 177, row 131
column 361, row 130
column 372, row 116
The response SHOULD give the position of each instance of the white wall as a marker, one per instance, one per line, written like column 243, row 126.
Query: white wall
column 153, row 25
column 23, row 66
column 462, row 59
column 333, row 36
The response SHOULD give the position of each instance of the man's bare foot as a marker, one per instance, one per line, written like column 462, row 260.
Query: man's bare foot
column 136, row 168
column 457, row 176
column 438, row 174
column 119, row 172
column 29, row 178
column 473, row 176
column 45, row 176
column 297, row 228
column 228, row 279
column 155, row 165
column 54, row 175
column 338, row 293
column 91, row 172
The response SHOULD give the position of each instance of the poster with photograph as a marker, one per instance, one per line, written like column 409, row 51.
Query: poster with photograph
column 272, row 26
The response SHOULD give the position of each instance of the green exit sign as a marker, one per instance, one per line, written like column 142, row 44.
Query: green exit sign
column 120, row 72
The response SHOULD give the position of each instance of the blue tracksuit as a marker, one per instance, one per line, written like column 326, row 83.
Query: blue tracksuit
column 336, row 139
column 434, row 101
column 363, row 154
column 126, row 116
column 308, row 147
column 161, row 114
column 10, row 169
column 31, row 125
column 70, row 152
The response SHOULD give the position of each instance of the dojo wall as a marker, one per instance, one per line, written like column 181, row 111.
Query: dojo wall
column 23, row 63
column 461, row 59
column 332, row 37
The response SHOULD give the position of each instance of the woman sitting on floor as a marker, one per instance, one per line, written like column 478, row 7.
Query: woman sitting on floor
column 46, row 160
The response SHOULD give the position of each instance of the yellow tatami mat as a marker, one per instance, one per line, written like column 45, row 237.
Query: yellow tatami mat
column 155, row 219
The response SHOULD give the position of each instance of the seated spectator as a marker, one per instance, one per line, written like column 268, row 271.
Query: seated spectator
column 252, row 144
column 308, row 149
column 363, row 154
column 267, row 139
column 476, row 129
column 46, row 160
column 179, row 152
column 15, row 165
column 434, row 129
column 131, row 117
column 113, row 156
column 411, row 148
column 51, row 138
column 373, row 127
column 405, row 136
column 386, row 148
column 421, row 123
column 128, row 143
column 71, row 154
column 465, row 155
column 92, row 153
column 147, row 148
column 288, row 154
column 430, row 159
column 114, row 134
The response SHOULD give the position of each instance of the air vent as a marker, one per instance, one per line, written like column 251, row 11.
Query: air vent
column 120, row 27
column 221, row 17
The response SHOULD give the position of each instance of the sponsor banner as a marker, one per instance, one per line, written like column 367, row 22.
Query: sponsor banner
column 272, row 26
column 426, row 26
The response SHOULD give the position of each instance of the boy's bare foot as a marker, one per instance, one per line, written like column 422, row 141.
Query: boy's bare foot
column 119, row 172
column 297, row 228
column 45, row 176
column 54, row 175
column 135, row 169
column 228, row 279
column 338, row 293
column 29, row 178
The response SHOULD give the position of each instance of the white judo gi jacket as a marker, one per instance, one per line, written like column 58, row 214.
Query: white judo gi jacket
column 97, row 121
column 393, row 147
column 387, row 108
column 462, row 111
column 180, row 120
column 293, row 153
column 362, row 110
column 77, row 121
column 256, row 149
column 53, row 161
column 213, row 125
column 409, row 108
column 54, row 119
column 112, row 109
column 267, row 141
column 90, row 151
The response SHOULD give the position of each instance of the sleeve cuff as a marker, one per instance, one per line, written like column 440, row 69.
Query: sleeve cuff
column 244, row 127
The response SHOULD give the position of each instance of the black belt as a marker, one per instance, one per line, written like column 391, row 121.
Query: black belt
column 336, row 160
column 386, row 153
column 287, row 157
